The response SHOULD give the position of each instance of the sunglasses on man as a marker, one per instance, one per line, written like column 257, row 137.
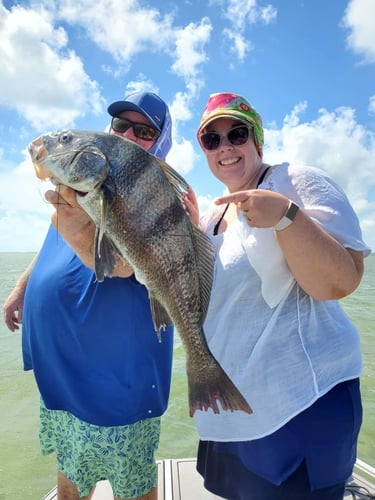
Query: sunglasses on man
column 140, row 130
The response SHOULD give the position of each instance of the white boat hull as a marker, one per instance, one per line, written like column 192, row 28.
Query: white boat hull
column 179, row 480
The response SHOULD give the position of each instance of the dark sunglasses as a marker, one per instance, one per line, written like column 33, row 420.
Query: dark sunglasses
column 236, row 136
column 140, row 130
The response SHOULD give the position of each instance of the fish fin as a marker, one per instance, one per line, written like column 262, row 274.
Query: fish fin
column 104, row 257
column 160, row 317
column 176, row 180
column 105, row 250
column 215, row 386
column 205, row 255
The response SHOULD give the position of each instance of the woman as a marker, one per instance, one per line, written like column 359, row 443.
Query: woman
column 288, row 246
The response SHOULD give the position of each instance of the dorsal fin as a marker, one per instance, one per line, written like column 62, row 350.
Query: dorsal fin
column 205, row 257
column 177, row 181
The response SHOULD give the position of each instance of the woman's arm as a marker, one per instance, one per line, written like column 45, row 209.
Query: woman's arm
column 319, row 263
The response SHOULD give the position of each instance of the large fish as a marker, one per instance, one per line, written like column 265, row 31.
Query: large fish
column 135, row 200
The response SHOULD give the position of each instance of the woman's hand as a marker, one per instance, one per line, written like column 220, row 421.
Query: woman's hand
column 321, row 265
column 262, row 208
column 191, row 206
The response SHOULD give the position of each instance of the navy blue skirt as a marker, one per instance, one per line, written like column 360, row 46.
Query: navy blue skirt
column 311, row 457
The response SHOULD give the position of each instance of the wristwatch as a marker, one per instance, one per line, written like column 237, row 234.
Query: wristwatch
column 288, row 217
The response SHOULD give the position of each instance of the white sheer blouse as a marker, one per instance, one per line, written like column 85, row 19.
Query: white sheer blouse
column 281, row 348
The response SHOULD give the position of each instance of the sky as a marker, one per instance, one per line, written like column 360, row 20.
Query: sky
column 307, row 66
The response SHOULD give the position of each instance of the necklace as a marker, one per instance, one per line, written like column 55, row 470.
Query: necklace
column 260, row 180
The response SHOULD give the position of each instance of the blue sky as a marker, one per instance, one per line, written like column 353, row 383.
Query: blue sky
column 308, row 66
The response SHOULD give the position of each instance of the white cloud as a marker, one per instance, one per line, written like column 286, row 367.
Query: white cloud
column 189, row 52
column 22, row 232
column 39, row 77
column 121, row 27
column 238, row 44
column 141, row 83
column 134, row 29
column 21, row 190
column 241, row 14
column 371, row 105
column 335, row 142
column 25, row 214
column 182, row 156
column 180, row 108
column 359, row 19
column 57, row 90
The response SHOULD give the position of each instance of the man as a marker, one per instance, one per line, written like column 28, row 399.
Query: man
column 103, row 377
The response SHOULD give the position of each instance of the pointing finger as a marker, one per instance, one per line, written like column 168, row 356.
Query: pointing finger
column 238, row 197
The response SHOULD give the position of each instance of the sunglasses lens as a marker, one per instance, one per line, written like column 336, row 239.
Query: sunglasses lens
column 210, row 141
column 144, row 132
column 120, row 125
column 238, row 136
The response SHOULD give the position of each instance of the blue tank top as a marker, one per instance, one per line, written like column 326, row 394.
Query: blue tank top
column 92, row 345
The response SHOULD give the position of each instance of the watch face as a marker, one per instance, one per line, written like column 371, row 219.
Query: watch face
column 292, row 211
column 288, row 218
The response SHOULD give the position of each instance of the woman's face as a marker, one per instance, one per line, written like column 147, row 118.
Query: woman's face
column 234, row 165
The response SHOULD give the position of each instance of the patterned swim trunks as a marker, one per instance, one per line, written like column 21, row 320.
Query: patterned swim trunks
column 86, row 453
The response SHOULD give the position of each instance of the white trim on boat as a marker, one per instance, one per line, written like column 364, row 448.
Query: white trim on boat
column 167, row 480
column 179, row 480
column 364, row 467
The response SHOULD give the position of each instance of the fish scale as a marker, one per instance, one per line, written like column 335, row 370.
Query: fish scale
column 135, row 200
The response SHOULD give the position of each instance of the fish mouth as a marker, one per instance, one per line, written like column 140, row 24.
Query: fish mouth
column 56, row 182
column 38, row 153
column 81, row 194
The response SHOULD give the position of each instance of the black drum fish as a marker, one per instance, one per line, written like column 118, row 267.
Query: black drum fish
column 135, row 200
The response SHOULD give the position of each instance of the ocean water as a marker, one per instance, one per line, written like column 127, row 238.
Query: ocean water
column 26, row 475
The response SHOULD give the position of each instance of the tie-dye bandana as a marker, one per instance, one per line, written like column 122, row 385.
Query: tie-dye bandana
column 228, row 105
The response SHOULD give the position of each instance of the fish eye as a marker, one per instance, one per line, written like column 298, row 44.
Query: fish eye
column 65, row 137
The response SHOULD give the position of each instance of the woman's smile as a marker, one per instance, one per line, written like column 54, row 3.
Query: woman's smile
column 229, row 161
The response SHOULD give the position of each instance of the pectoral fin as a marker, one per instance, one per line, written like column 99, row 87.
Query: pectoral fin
column 104, row 258
column 160, row 316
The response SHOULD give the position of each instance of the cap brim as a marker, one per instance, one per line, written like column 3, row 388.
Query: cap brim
column 231, row 116
column 118, row 107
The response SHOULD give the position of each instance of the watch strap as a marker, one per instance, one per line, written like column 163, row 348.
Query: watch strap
column 288, row 217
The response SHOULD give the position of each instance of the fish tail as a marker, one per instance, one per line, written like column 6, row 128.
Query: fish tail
column 214, row 388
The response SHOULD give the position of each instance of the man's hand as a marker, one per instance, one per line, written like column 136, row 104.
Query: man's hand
column 78, row 229
column 72, row 222
column 13, row 308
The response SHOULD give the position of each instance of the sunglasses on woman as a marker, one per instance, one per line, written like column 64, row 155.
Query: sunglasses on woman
column 237, row 136
column 140, row 130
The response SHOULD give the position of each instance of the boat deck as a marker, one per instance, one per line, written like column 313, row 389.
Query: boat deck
column 179, row 480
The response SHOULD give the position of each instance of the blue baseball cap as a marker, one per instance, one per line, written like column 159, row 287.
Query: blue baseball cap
column 147, row 103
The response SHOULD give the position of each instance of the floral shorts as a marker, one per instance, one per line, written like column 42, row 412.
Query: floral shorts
column 86, row 453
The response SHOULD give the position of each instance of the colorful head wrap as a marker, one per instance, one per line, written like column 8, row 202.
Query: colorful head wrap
column 228, row 105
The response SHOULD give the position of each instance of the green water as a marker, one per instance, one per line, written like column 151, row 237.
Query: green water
column 29, row 476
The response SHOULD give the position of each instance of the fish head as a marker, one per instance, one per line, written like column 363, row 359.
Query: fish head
column 72, row 158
